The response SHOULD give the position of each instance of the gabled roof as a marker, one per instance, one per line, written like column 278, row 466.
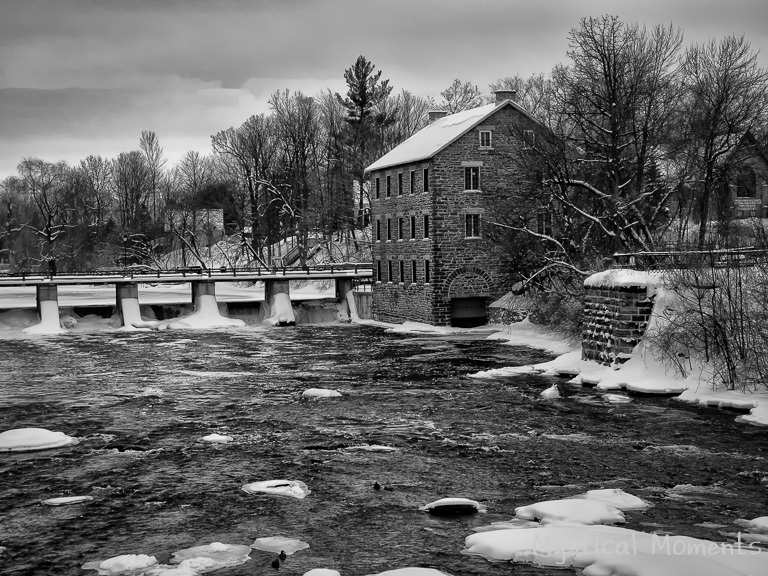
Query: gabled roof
column 433, row 138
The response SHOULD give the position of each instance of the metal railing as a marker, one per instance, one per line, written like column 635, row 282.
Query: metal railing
column 720, row 258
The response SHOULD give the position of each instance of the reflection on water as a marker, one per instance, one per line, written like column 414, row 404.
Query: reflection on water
column 408, row 420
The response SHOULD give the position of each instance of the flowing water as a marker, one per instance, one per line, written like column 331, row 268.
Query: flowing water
column 140, row 402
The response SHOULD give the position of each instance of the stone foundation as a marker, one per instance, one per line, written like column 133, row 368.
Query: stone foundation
column 615, row 319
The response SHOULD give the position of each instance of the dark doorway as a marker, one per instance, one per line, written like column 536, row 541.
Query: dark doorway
column 468, row 312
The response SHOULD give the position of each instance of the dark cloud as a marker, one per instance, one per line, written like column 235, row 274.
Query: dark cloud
column 106, row 69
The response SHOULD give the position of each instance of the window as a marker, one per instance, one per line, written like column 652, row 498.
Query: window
column 389, row 270
column 426, row 225
column 529, row 139
column 378, row 188
column 472, row 178
column 389, row 228
column 472, row 226
column 399, row 183
column 426, row 272
column 426, row 179
column 413, row 227
column 485, row 138
column 746, row 182
column 389, row 186
column 413, row 271
column 544, row 223
column 402, row 272
column 412, row 184
column 400, row 229
column 378, row 271
column 378, row 230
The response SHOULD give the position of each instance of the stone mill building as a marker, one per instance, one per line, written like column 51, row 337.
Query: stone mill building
column 430, row 199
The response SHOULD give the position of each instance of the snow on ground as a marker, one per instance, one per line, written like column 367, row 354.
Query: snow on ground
column 29, row 439
column 642, row 374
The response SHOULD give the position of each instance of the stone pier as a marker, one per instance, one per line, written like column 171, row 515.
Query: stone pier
column 617, row 309
column 46, row 293
column 123, row 291
column 202, row 288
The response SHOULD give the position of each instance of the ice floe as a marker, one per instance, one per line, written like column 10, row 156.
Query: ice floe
column 411, row 571
column 614, row 551
column 550, row 393
column 322, row 572
column 453, row 507
column 125, row 563
column 66, row 500
column 292, row 488
column 217, row 439
column 279, row 544
column 617, row 498
column 320, row 393
column 213, row 556
column 29, row 439
column 571, row 510
column 756, row 524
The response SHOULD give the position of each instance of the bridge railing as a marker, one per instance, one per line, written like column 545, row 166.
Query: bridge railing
column 722, row 258
column 353, row 268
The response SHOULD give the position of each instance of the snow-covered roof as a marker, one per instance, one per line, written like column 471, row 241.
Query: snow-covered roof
column 430, row 140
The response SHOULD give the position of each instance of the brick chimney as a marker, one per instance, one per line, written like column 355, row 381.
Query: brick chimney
column 436, row 114
column 503, row 95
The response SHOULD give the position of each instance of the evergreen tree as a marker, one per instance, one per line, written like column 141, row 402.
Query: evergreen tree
column 365, row 119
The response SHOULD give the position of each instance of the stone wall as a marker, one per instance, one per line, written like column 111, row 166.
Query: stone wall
column 615, row 319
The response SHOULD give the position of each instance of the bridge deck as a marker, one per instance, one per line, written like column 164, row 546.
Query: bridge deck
column 329, row 272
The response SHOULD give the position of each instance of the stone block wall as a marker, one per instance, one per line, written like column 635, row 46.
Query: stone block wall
column 460, row 267
column 615, row 319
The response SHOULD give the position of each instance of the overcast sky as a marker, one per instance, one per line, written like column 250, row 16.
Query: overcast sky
column 80, row 77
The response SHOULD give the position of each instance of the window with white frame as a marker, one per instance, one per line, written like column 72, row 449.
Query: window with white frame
column 485, row 138
column 471, row 178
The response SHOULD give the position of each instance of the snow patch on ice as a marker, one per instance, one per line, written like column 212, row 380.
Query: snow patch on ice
column 320, row 393
column 66, row 500
column 217, row 439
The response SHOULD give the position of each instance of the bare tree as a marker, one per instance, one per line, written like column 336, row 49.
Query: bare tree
column 461, row 96
column 153, row 156
column 725, row 96
column 131, row 181
column 45, row 184
column 594, row 170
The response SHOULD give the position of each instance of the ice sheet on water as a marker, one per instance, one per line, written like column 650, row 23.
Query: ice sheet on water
column 617, row 498
column 279, row 544
column 320, row 393
column 125, row 564
column 217, row 438
column 66, row 500
column 410, row 571
column 213, row 556
column 756, row 524
column 453, row 506
column 613, row 551
column 571, row 510
column 29, row 439
column 292, row 488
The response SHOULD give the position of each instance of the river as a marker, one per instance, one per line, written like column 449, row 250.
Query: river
column 140, row 402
